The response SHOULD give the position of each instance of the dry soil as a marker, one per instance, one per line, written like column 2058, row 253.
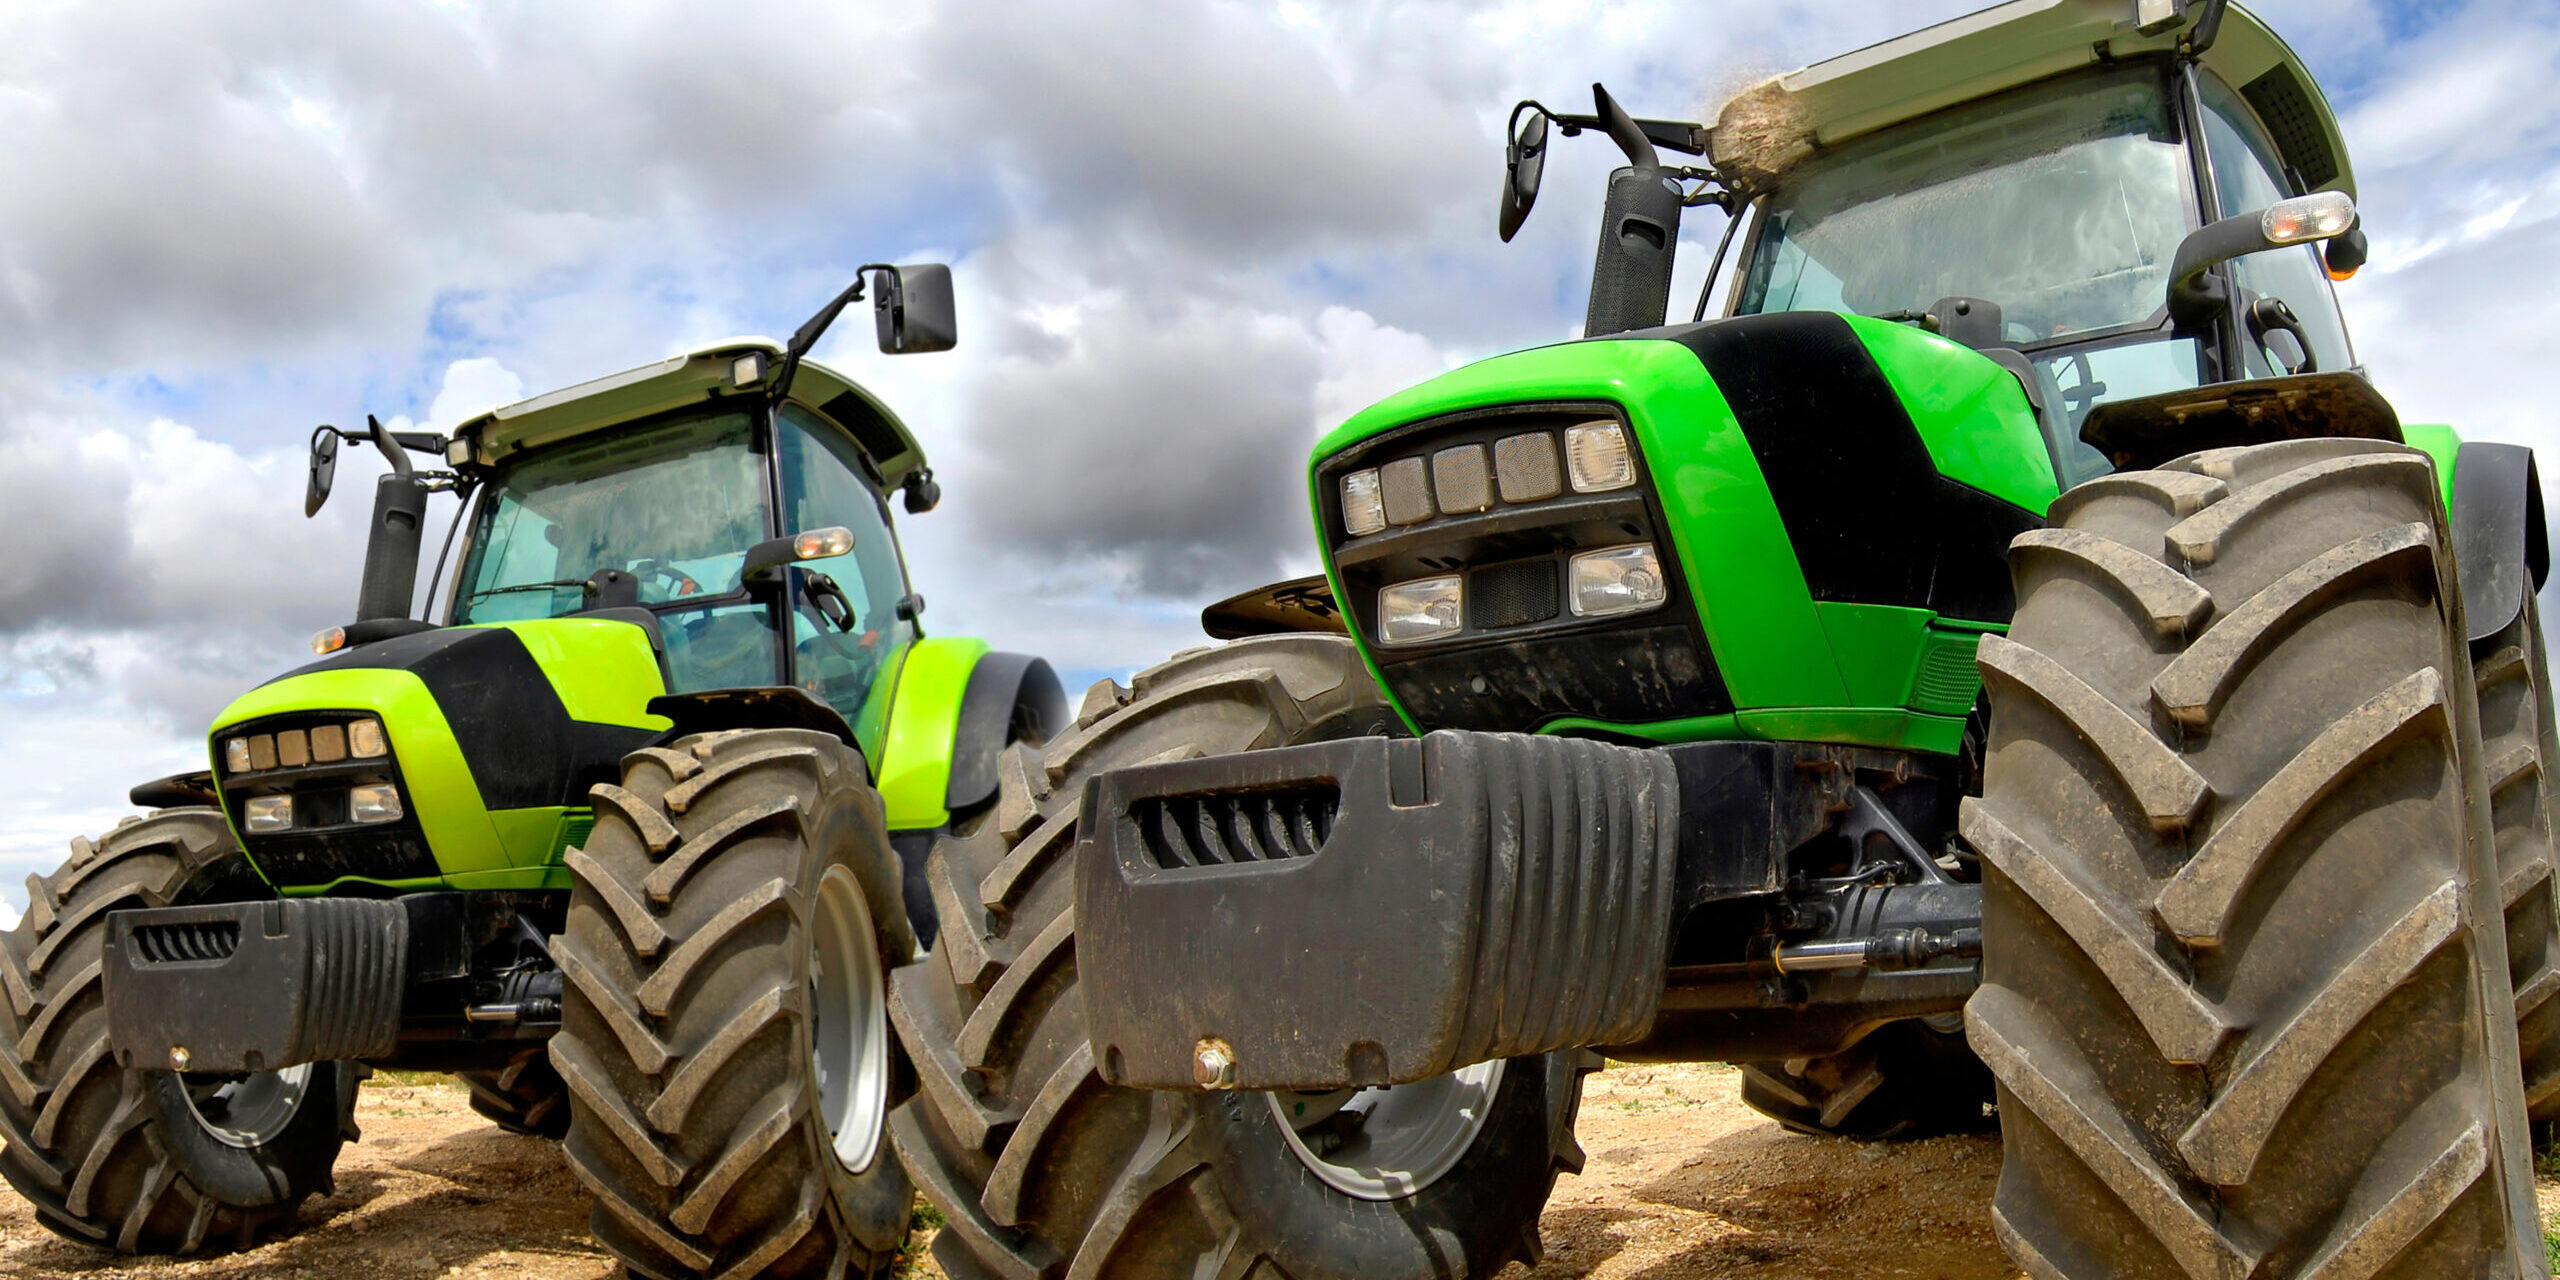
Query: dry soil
column 1684, row 1183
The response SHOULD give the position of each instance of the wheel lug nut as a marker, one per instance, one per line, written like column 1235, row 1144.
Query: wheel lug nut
column 1213, row 1064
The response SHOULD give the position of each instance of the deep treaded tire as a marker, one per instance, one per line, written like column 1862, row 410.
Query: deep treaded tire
column 1043, row 1171
column 686, row 1029
column 2244, row 989
column 2513, row 675
column 97, row 1150
column 525, row 1096
column 1905, row 1080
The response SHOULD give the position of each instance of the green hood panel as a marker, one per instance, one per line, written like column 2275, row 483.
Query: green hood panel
column 497, row 734
column 1830, row 655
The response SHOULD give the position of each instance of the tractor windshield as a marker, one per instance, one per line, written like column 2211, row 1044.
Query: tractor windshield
column 676, row 505
column 2062, row 203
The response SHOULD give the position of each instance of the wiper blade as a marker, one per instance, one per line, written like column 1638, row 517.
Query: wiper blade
column 533, row 586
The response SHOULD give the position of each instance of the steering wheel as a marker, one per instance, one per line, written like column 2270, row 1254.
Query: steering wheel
column 2081, row 395
column 660, row 571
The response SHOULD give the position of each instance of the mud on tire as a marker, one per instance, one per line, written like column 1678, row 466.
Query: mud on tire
column 97, row 1149
column 698, row 1117
column 1042, row 1170
column 2243, row 990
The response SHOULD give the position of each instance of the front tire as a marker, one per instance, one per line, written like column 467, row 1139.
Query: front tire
column 141, row 1161
column 723, row 1036
column 1040, row 1169
column 2512, row 670
column 2243, row 985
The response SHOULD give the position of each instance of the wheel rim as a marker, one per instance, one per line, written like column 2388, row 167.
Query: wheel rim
column 848, row 1021
column 1390, row 1143
column 249, row 1110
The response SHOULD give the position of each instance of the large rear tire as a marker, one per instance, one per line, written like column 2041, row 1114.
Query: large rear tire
column 2514, row 677
column 1042, row 1170
column 147, row 1161
column 2244, row 989
column 723, row 1034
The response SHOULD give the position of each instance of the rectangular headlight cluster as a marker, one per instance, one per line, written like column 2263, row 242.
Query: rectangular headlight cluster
column 1461, row 480
column 1599, row 584
column 295, row 748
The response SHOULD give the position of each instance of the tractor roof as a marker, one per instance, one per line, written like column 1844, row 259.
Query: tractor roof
column 1768, row 128
column 704, row 374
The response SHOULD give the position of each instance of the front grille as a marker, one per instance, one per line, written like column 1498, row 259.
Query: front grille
column 199, row 940
column 1512, row 595
column 1258, row 826
column 574, row 831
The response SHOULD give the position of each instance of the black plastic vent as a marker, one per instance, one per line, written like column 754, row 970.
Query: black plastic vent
column 177, row 943
column 1260, row 826
column 1512, row 595
column 2280, row 100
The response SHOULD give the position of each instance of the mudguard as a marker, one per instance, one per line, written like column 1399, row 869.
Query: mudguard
column 2499, row 542
column 957, row 706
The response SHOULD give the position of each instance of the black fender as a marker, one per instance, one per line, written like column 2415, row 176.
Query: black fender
column 2500, row 550
column 779, row 706
column 1009, row 697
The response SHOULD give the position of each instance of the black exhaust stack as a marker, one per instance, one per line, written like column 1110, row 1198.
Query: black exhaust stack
column 399, row 528
column 1639, row 232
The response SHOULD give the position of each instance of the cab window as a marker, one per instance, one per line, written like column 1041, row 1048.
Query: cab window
column 2248, row 176
column 846, row 633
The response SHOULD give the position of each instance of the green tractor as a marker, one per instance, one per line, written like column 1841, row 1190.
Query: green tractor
column 618, row 842
column 2011, row 665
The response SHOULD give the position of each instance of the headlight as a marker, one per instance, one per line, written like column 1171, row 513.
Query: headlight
column 293, row 749
column 1617, row 580
column 329, row 743
column 267, row 813
column 1363, row 511
column 1596, row 454
column 364, row 740
column 379, row 802
column 1526, row 466
column 1461, row 480
column 235, row 755
column 1418, row 610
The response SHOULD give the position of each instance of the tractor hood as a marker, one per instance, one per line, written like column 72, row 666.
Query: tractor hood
column 1765, row 130
column 490, row 738
column 705, row 373
column 1821, row 506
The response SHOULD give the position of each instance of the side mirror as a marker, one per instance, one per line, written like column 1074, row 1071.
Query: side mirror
column 324, row 470
column 2197, row 297
column 914, row 311
column 1523, row 163
column 923, row 492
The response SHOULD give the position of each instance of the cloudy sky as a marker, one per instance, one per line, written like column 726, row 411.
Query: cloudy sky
column 1188, row 238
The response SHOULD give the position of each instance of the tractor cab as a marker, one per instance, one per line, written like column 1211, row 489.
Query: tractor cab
column 659, row 502
column 2045, row 200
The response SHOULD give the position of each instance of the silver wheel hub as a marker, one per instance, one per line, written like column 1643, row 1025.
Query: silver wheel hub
column 1390, row 1143
column 249, row 1110
column 848, row 1021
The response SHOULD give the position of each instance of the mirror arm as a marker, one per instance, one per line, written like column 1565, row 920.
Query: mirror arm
column 2197, row 297
column 806, row 338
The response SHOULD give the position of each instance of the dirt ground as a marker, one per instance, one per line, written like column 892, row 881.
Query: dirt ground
column 1684, row 1183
